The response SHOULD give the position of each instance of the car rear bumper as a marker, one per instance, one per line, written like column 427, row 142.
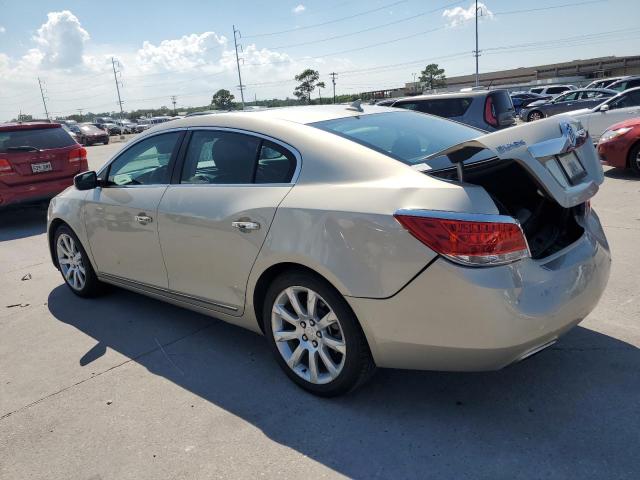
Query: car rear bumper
column 33, row 192
column 472, row 319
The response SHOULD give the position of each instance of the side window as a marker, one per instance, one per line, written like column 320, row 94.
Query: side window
column 218, row 157
column 556, row 90
column 536, row 90
column 275, row 164
column 631, row 99
column 145, row 163
column 407, row 105
column 568, row 97
column 447, row 108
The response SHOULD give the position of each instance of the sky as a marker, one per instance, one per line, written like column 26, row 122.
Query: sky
column 186, row 48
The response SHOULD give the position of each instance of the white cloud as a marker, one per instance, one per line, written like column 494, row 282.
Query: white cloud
column 298, row 9
column 181, row 54
column 2, row 29
column 459, row 15
column 61, row 40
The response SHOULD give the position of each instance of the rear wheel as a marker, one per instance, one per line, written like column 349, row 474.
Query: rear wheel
column 315, row 336
column 74, row 265
column 634, row 159
column 535, row 115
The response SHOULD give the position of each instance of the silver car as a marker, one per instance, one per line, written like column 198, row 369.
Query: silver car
column 350, row 236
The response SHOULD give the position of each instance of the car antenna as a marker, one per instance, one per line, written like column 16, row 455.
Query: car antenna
column 356, row 106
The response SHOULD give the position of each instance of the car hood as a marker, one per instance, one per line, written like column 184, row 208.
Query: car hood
column 538, row 147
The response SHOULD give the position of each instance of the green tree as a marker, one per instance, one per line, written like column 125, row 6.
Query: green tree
column 222, row 100
column 433, row 76
column 308, row 80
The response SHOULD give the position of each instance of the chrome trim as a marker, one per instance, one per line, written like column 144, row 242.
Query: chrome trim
column 164, row 292
column 292, row 149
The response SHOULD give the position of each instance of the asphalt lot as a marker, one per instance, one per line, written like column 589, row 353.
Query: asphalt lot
column 126, row 387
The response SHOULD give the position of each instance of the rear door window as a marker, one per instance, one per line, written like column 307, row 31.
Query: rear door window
column 37, row 138
column 556, row 90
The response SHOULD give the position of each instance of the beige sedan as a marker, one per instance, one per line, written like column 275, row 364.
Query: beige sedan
column 350, row 236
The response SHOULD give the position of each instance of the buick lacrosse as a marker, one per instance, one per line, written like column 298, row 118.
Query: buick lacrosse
column 351, row 236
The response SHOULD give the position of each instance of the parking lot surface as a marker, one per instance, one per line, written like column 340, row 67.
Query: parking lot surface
column 126, row 387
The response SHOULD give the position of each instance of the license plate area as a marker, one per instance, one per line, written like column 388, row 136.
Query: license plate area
column 572, row 167
column 41, row 167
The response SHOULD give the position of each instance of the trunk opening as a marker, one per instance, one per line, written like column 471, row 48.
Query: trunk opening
column 548, row 227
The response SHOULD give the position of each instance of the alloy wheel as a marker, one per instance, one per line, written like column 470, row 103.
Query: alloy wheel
column 70, row 261
column 308, row 335
column 535, row 116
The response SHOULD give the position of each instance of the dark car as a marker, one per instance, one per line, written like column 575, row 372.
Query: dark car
column 522, row 99
column 625, row 84
column 573, row 100
column 89, row 134
column 488, row 110
column 37, row 161
column 605, row 82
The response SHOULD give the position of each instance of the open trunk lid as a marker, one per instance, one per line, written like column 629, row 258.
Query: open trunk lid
column 556, row 151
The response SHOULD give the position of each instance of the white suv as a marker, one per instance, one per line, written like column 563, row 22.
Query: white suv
column 553, row 90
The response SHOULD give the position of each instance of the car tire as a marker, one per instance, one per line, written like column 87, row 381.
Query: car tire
column 634, row 159
column 106, row 142
column 535, row 115
column 326, row 331
column 70, row 256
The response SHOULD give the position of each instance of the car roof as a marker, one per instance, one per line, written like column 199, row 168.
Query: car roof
column 298, row 114
column 472, row 93
column 11, row 126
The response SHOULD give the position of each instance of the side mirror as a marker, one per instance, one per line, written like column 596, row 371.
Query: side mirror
column 604, row 108
column 86, row 180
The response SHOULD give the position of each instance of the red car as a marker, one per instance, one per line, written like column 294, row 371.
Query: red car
column 37, row 161
column 619, row 145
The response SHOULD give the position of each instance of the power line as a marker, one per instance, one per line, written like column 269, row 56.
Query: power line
column 306, row 27
column 551, row 7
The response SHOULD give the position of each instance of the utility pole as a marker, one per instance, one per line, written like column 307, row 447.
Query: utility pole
column 173, row 100
column 476, row 52
column 237, row 33
column 44, row 102
column 333, row 80
column 415, row 87
column 115, row 77
column 80, row 113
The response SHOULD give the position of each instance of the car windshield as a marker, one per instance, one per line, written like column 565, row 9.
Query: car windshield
column 406, row 136
column 90, row 129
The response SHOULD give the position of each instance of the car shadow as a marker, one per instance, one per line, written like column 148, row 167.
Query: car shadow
column 569, row 412
column 621, row 173
column 22, row 222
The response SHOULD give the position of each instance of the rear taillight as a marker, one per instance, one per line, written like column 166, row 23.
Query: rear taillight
column 490, row 112
column 472, row 239
column 5, row 167
column 78, row 155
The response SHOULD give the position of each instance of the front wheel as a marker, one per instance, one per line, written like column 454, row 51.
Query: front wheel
column 315, row 336
column 535, row 115
column 74, row 265
column 634, row 159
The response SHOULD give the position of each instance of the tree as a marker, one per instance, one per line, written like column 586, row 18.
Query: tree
column 308, row 80
column 433, row 76
column 222, row 100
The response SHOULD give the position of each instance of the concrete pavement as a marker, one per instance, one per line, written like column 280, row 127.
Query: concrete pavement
column 126, row 387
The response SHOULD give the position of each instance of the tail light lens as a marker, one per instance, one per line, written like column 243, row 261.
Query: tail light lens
column 78, row 155
column 476, row 240
column 5, row 167
column 490, row 112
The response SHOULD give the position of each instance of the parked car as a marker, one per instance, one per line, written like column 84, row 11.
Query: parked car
column 347, row 235
column 71, row 131
column 204, row 112
column 89, row 134
column 127, row 127
column 37, row 161
column 624, row 106
column 112, row 128
column 572, row 100
column 488, row 109
column 522, row 99
column 619, row 145
column 553, row 90
column 605, row 82
column 625, row 84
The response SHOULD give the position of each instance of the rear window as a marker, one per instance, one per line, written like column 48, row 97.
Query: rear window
column 555, row 90
column 502, row 101
column 405, row 136
column 536, row 90
column 40, row 138
column 442, row 107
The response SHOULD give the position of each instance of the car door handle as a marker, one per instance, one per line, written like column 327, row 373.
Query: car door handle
column 143, row 219
column 244, row 226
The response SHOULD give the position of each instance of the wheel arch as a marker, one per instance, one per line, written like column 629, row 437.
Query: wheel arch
column 633, row 146
column 53, row 226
